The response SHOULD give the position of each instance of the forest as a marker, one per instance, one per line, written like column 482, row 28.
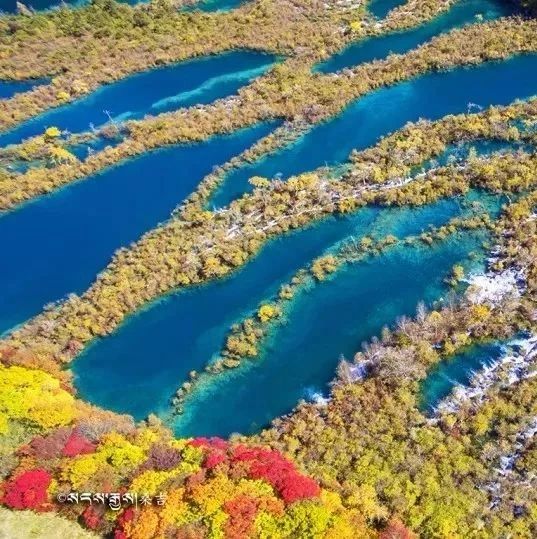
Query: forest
column 370, row 447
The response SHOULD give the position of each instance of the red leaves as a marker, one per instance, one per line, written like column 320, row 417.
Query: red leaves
column 216, row 451
column 395, row 529
column 274, row 468
column 77, row 445
column 295, row 487
column 242, row 511
column 260, row 463
column 92, row 517
column 28, row 490
column 122, row 519
column 214, row 443
column 213, row 459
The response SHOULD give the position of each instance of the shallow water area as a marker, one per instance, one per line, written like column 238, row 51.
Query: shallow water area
column 58, row 243
column 196, row 81
column 378, row 47
column 182, row 332
column 361, row 124
column 324, row 324
column 456, row 370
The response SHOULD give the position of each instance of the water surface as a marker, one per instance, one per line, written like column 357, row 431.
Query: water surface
column 8, row 88
column 210, row 6
column 197, row 81
column 378, row 47
column 58, row 243
column 10, row 6
column 361, row 124
column 456, row 370
column 381, row 8
column 183, row 331
column 324, row 324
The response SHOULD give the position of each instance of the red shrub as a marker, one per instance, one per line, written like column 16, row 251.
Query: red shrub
column 274, row 468
column 50, row 446
column 122, row 519
column 77, row 445
column 92, row 517
column 242, row 511
column 214, row 443
column 298, row 487
column 395, row 529
column 28, row 490
column 213, row 459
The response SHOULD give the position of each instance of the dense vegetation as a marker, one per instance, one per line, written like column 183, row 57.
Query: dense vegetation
column 368, row 462
column 288, row 91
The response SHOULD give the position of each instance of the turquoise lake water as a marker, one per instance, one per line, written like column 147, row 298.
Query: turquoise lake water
column 197, row 81
column 8, row 88
column 190, row 326
column 456, row 370
column 361, row 124
column 328, row 321
column 381, row 8
column 58, row 243
column 376, row 48
column 215, row 5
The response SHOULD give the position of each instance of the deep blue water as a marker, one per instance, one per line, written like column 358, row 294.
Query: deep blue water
column 376, row 48
column 8, row 88
column 182, row 332
column 325, row 323
column 58, row 243
column 361, row 124
column 381, row 8
column 456, row 370
column 196, row 81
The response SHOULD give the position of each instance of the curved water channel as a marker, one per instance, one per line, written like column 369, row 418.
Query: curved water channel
column 58, row 243
column 150, row 354
column 362, row 123
column 376, row 48
column 185, row 329
column 300, row 360
column 192, row 82
column 455, row 370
